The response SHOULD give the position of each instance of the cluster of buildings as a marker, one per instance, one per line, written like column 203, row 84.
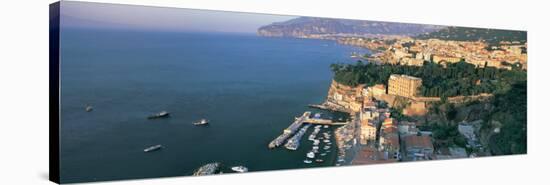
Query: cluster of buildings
column 353, row 99
column 407, row 51
column 383, row 137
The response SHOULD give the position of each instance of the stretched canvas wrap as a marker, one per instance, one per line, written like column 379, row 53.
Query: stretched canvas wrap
column 144, row 92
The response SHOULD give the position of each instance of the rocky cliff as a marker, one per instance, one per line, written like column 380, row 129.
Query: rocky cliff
column 346, row 97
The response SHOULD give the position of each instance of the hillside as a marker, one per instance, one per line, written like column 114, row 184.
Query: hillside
column 306, row 26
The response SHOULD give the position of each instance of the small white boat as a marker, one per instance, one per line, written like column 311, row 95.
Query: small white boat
column 315, row 147
column 162, row 114
column 319, row 160
column 326, row 126
column 153, row 148
column 317, row 115
column 310, row 155
column 323, row 154
column 240, row 169
column 201, row 122
column 89, row 108
column 307, row 161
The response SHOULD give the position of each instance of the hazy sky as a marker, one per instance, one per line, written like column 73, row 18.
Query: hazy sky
column 112, row 16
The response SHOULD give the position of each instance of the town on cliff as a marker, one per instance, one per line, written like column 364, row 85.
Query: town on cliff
column 424, row 92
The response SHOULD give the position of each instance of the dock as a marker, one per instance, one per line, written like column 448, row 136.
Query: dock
column 329, row 106
column 320, row 121
column 294, row 142
column 290, row 130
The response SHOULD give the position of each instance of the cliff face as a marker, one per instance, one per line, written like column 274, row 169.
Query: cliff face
column 303, row 27
column 346, row 97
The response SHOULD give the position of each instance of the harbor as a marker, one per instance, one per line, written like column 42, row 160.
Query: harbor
column 321, row 138
column 305, row 118
column 289, row 131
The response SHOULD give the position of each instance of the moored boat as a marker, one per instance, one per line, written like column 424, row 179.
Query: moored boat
column 310, row 155
column 317, row 115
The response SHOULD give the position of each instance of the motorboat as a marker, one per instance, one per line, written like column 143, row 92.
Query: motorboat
column 153, row 148
column 201, row 122
column 310, row 155
column 240, row 169
column 162, row 114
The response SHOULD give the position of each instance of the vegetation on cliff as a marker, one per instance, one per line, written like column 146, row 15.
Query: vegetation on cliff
column 506, row 111
column 510, row 117
column 455, row 79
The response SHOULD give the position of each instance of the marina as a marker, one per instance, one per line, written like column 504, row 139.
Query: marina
column 305, row 118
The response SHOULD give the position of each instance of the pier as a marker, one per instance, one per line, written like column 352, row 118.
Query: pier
column 290, row 130
column 329, row 106
column 320, row 121
column 294, row 142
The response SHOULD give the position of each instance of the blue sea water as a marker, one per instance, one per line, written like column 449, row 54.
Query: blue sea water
column 249, row 87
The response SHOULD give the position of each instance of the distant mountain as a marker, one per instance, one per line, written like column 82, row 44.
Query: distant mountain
column 306, row 26
column 491, row 36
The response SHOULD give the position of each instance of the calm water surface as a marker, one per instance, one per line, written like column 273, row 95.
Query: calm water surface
column 249, row 87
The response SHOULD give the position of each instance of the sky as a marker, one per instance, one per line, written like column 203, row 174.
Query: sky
column 132, row 17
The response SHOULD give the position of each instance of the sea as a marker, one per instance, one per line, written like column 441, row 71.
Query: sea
column 249, row 87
